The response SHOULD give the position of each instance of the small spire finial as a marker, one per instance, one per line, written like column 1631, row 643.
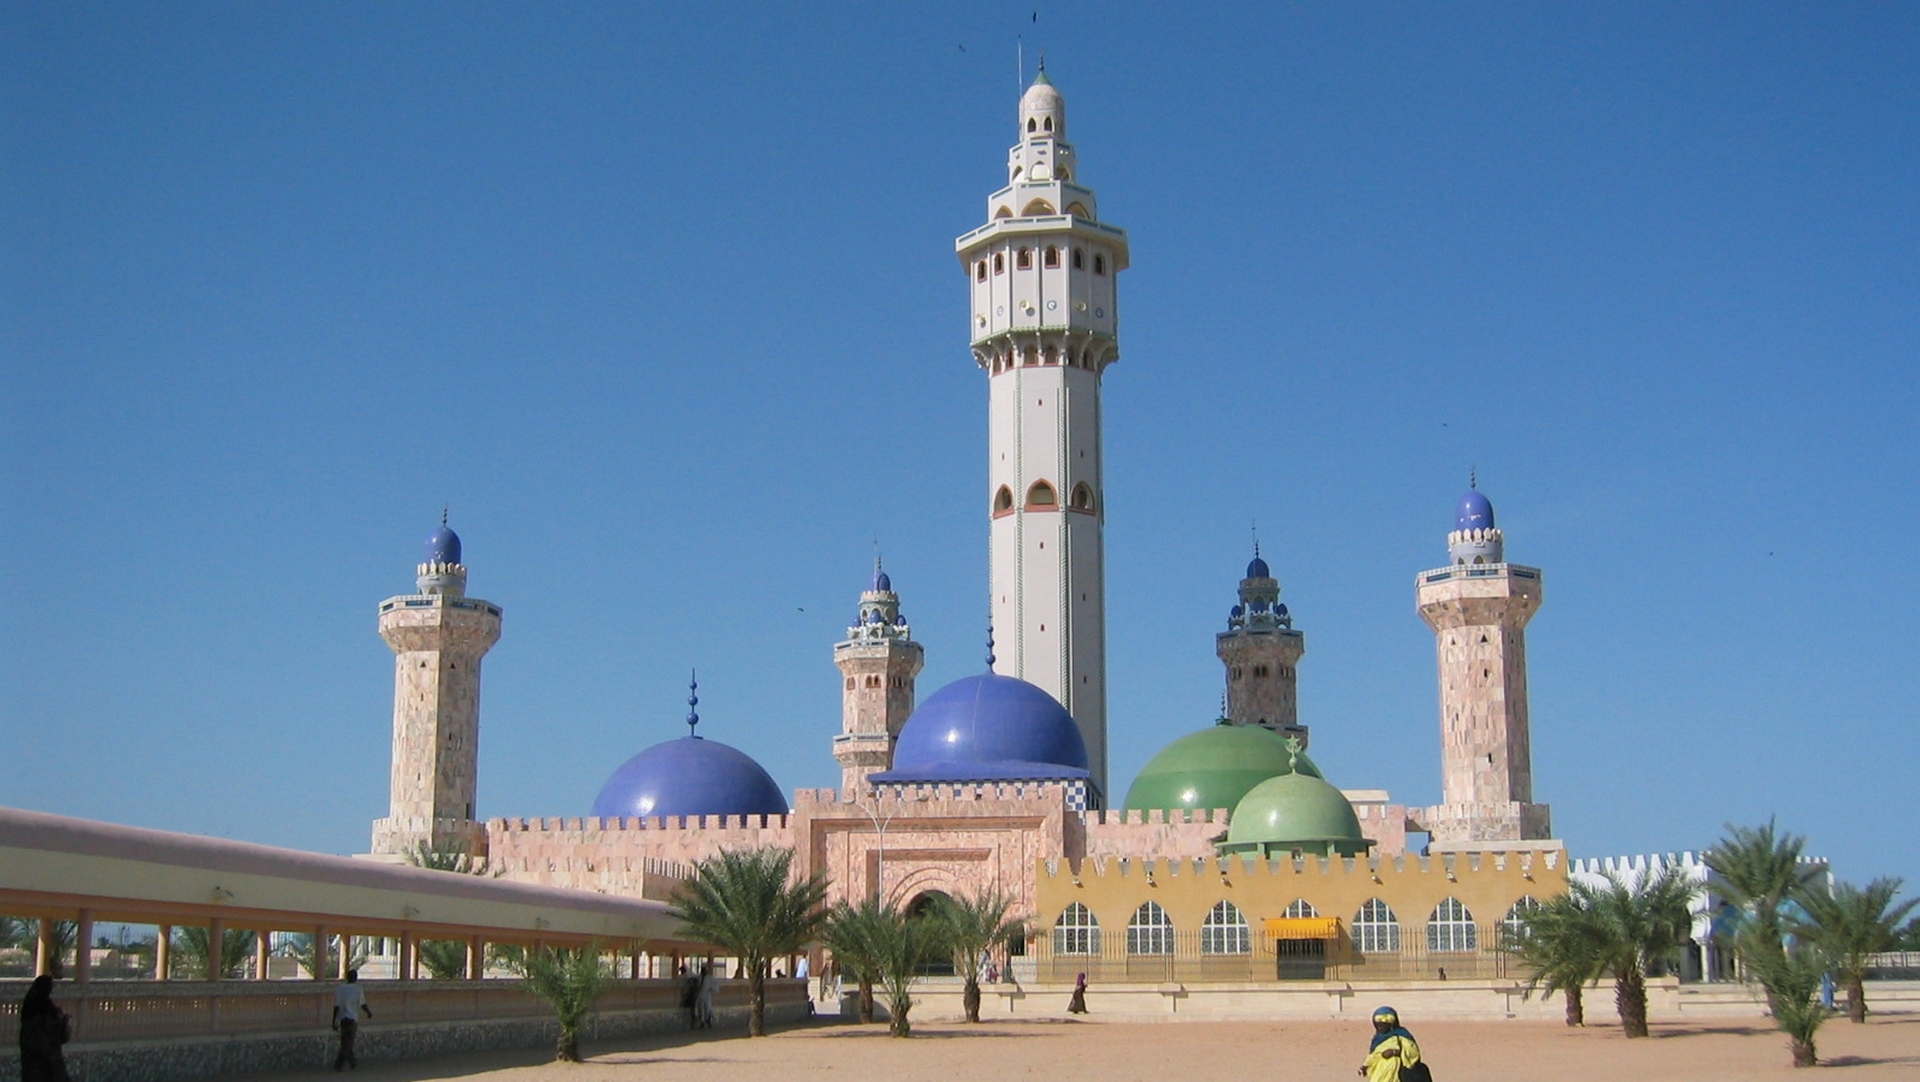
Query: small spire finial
column 693, row 701
column 1256, row 537
column 876, row 554
column 1473, row 477
column 990, row 658
column 443, row 514
column 1294, row 748
column 1224, row 719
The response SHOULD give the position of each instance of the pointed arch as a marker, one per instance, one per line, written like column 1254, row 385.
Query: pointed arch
column 1042, row 495
column 1002, row 212
column 1078, row 209
column 1375, row 928
column 1450, row 927
column 1150, row 931
column 1037, row 208
column 1003, row 500
column 1033, row 125
column 1513, row 927
column 1049, row 124
column 1052, row 257
column 1076, row 931
column 1082, row 498
column 1301, row 909
column 1023, row 259
column 1225, row 930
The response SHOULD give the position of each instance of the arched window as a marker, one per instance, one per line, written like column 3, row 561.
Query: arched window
column 1301, row 909
column 1375, row 928
column 1016, row 172
column 1150, row 932
column 1042, row 495
column 1053, row 257
column 1003, row 212
column 1099, row 264
column 1051, row 356
column 1003, row 499
column 1037, row 208
column 1079, row 259
column 999, row 263
column 1049, row 124
column 1032, row 124
column 980, row 271
column 1082, row 497
column 1023, row 260
column 1225, row 930
column 1062, row 174
column 1076, row 932
column 1078, row 210
column 1450, row 927
column 1513, row 927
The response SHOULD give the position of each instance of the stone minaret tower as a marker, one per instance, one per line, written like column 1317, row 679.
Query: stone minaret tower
column 1261, row 651
column 877, row 663
column 1478, row 608
column 1044, row 326
column 438, row 637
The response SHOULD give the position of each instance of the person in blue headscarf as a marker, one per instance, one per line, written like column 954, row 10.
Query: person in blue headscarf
column 1392, row 1049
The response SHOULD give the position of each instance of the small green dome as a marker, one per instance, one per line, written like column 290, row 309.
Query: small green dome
column 1212, row 768
column 1295, row 811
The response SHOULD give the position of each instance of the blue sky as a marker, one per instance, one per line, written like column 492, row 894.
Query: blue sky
column 662, row 300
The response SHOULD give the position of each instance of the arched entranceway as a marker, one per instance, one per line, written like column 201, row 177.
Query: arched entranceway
column 923, row 906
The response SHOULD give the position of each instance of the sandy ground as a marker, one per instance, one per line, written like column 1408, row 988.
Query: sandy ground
column 1887, row 1047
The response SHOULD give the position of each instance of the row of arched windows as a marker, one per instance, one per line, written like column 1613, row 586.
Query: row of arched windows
column 1375, row 930
column 1085, row 357
column 1049, row 258
column 1041, row 496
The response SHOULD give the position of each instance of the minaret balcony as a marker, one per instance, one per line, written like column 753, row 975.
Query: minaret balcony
column 1477, row 571
column 1048, row 224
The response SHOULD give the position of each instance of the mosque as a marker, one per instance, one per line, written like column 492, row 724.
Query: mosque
column 1228, row 858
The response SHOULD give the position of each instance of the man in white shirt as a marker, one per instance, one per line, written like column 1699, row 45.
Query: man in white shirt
column 349, row 1003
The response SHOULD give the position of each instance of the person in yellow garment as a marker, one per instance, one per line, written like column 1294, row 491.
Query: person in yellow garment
column 1392, row 1049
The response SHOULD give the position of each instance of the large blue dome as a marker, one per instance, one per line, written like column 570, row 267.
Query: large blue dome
column 988, row 727
column 1474, row 513
column 689, row 776
column 443, row 547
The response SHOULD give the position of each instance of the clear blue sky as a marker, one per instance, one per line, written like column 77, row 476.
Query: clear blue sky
column 662, row 300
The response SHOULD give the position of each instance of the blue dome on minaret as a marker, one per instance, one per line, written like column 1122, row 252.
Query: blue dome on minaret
column 443, row 546
column 1258, row 569
column 1475, row 511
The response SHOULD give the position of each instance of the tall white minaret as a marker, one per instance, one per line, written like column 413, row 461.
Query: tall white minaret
column 1478, row 607
column 438, row 637
column 1044, row 326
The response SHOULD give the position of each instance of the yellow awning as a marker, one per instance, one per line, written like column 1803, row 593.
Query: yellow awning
column 1303, row 927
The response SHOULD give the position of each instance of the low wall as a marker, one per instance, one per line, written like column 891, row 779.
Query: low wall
column 150, row 1032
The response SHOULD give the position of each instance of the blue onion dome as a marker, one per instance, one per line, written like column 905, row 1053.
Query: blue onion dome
column 1474, row 513
column 881, row 583
column 689, row 776
column 1237, row 610
column 987, row 727
column 443, row 547
column 1258, row 568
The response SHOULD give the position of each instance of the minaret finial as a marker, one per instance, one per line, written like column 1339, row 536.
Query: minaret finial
column 1473, row 477
column 1256, row 537
column 876, row 555
column 443, row 514
column 1223, row 719
column 693, row 701
column 990, row 658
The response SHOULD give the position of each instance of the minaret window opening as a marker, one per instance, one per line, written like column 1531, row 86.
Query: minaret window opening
column 1079, row 259
column 1052, row 355
column 1003, row 499
column 1037, row 208
column 1099, row 264
column 1082, row 498
column 1003, row 212
column 1031, row 356
column 1052, row 259
column 999, row 263
column 1062, row 174
column 1032, row 125
column 1078, row 210
column 1048, row 125
column 1023, row 260
column 980, row 271
column 1042, row 495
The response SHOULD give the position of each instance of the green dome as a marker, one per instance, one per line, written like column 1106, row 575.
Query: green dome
column 1294, row 811
column 1212, row 768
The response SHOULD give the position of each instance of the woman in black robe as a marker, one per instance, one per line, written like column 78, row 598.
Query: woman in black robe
column 43, row 1029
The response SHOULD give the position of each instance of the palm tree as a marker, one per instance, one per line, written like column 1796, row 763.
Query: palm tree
column 1792, row 982
column 1850, row 924
column 975, row 926
column 1760, row 872
column 743, row 902
column 190, row 945
column 570, row 981
column 1559, row 948
column 851, row 932
column 1638, row 926
column 446, row 959
column 903, row 945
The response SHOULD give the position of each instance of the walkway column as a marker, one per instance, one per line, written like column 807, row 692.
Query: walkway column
column 320, row 935
column 346, row 956
column 163, row 952
column 46, row 951
column 262, row 947
column 407, row 953
column 216, row 946
column 476, row 958
column 83, row 948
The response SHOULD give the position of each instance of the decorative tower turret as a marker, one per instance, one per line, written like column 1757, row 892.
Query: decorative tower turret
column 877, row 662
column 1478, row 607
column 438, row 637
column 1044, row 327
column 1261, row 651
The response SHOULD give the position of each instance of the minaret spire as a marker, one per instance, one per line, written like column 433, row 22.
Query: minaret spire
column 1045, row 326
column 693, row 703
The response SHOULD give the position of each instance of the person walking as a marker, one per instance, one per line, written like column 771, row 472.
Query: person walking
column 1078, row 1004
column 703, row 998
column 349, row 1005
column 1393, row 1050
column 44, row 1027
